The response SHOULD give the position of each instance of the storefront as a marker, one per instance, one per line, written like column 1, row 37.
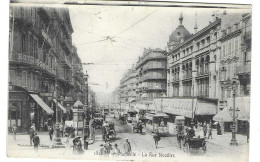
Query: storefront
column 26, row 109
column 242, row 115
column 186, row 107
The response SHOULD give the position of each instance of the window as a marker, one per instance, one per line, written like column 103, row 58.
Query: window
column 31, row 45
column 224, row 50
column 24, row 44
column 35, row 49
column 12, row 76
column 236, row 46
column 24, row 79
column 229, row 48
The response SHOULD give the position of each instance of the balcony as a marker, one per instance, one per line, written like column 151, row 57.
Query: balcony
column 202, row 71
column 187, row 75
column 242, row 70
column 153, row 66
column 30, row 60
column 149, row 77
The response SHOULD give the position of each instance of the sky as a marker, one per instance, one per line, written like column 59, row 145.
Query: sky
column 133, row 28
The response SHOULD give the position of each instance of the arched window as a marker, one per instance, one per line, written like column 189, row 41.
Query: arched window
column 202, row 65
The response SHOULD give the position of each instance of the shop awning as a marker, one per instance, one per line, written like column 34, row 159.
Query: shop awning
column 223, row 115
column 205, row 108
column 59, row 105
column 242, row 103
column 41, row 103
column 183, row 106
column 161, row 115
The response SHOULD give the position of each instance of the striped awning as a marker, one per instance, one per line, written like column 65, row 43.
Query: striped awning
column 59, row 105
column 42, row 104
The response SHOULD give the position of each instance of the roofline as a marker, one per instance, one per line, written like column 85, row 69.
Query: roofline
column 196, row 35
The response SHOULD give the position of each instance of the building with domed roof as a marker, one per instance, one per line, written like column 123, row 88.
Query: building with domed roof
column 179, row 35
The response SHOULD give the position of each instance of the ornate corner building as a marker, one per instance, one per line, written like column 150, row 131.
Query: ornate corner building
column 41, row 52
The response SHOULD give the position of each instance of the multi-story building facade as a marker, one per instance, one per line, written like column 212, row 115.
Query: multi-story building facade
column 40, row 57
column 145, row 81
column 128, row 86
column 151, row 74
column 203, row 66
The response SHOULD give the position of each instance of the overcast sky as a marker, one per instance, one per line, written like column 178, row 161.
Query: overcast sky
column 112, row 59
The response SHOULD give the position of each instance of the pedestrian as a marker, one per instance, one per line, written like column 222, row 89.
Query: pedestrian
column 205, row 129
column 36, row 141
column 51, row 132
column 115, row 151
column 219, row 129
column 31, row 133
column 191, row 132
column 210, row 130
column 61, row 129
column 75, row 144
column 140, row 127
column 108, row 146
column 156, row 138
column 85, row 142
column 79, row 147
column 103, row 133
column 127, row 147
column 102, row 150
column 14, row 130
column 247, row 132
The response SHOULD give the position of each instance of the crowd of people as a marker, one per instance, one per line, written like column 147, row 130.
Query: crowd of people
column 108, row 149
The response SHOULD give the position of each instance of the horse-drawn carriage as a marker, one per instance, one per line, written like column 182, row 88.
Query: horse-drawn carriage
column 123, row 118
column 195, row 144
column 137, row 127
column 98, row 122
column 108, row 130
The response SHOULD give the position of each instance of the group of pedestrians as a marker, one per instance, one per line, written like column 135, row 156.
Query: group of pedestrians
column 207, row 129
column 109, row 149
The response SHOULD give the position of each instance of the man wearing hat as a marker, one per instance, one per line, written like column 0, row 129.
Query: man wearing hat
column 116, row 151
column 31, row 133
column 75, row 143
column 127, row 146
column 102, row 150
column 36, row 141
column 108, row 146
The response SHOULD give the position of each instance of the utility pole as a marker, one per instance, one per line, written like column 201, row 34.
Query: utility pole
column 86, row 103
column 234, row 115
column 57, row 139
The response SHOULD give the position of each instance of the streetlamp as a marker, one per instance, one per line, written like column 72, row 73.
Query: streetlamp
column 234, row 114
column 192, row 113
column 86, row 102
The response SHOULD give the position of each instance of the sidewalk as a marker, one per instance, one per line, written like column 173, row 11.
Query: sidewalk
column 225, row 139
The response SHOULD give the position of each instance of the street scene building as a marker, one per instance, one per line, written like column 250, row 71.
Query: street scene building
column 169, row 84
column 43, row 66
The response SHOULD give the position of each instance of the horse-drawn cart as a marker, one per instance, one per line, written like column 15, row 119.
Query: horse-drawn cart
column 195, row 144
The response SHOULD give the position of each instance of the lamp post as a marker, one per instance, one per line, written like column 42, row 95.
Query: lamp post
column 57, row 139
column 192, row 104
column 234, row 115
column 86, row 102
